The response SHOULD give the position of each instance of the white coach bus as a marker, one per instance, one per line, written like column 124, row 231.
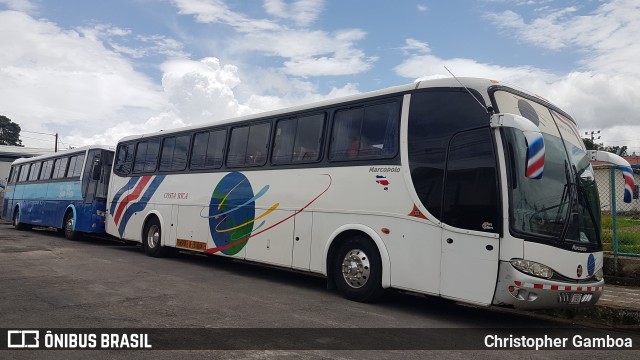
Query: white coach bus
column 465, row 189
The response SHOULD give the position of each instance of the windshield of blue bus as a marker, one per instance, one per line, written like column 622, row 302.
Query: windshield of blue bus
column 563, row 206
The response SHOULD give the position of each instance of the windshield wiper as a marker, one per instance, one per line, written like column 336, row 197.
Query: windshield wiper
column 582, row 195
column 569, row 193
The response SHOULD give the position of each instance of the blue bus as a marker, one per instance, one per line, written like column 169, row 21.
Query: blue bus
column 65, row 190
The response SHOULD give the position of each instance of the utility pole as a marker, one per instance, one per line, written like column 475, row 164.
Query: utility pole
column 593, row 133
column 55, row 147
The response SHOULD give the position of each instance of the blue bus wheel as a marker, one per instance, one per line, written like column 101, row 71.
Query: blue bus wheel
column 16, row 221
column 69, row 233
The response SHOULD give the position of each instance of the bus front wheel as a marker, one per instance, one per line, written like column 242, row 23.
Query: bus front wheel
column 357, row 270
column 69, row 226
column 151, row 241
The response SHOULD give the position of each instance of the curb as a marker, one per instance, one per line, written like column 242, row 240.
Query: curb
column 600, row 314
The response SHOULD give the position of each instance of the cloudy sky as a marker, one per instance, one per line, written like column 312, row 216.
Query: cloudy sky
column 95, row 71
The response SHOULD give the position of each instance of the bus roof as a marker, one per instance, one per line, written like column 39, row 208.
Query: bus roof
column 469, row 82
column 62, row 153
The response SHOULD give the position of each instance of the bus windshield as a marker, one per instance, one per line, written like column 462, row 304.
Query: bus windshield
column 563, row 206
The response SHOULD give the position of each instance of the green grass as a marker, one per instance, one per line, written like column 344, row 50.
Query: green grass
column 628, row 227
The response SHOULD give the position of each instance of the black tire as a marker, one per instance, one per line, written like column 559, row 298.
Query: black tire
column 68, row 227
column 16, row 221
column 152, row 239
column 357, row 270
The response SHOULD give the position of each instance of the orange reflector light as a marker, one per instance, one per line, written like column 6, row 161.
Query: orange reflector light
column 385, row 231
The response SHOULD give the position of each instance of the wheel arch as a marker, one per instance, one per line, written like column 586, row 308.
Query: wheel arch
column 153, row 214
column 346, row 231
column 70, row 209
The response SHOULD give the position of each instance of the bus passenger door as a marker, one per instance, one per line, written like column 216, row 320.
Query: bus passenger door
column 470, row 214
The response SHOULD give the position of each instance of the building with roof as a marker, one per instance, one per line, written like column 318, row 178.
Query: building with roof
column 10, row 153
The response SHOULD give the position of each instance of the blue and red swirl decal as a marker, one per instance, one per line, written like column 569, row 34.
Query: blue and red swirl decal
column 627, row 172
column 141, row 189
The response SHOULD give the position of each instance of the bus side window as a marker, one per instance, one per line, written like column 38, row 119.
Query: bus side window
column 368, row 132
column 283, row 143
column 380, row 130
column 24, row 173
column 59, row 168
column 308, row 138
column 35, row 171
column 124, row 159
column 248, row 145
column 174, row 153
column 12, row 175
column 45, row 173
column 208, row 148
column 75, row 166
column 146, row 157
column 345, row 141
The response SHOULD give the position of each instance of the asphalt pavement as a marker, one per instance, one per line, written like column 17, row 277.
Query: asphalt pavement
column 47, row 281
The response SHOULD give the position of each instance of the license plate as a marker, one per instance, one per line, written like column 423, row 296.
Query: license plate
column 575, row 298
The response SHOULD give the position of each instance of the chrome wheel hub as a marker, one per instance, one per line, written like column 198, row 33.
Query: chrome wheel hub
column 356, row 268
column 153, row 236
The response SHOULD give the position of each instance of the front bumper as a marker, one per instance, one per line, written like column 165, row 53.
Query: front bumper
column 528, row 292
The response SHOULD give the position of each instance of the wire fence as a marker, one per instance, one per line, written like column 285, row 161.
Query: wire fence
column 620, row 220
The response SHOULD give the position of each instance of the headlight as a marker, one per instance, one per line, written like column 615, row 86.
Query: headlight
column 532, row 268
column 599, row 274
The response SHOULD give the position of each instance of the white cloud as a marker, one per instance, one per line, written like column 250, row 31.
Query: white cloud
column 216, row 11
column 69, row 82
column 302, row 12
column 422, row 7
column 601, row 94
column 412, row 45
column 19, row 5
column 54, row 79
column 202, row 91
column 135, row 46
column 421, row 64
column 314, row 53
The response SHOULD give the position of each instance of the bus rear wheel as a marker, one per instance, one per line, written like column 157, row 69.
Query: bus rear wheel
column 69, row 226
column 151, row 241
column 357, row 270
column 16, row 221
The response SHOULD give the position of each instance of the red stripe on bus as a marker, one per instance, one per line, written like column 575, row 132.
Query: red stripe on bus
column 131, row 197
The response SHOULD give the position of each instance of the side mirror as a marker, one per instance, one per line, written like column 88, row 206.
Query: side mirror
column 623, row 165
column 533, row 136
column 96, row 170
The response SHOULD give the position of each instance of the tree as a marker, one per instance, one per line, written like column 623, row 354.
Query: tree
column 619, row 150
column 9, row 132
column 590, row 144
